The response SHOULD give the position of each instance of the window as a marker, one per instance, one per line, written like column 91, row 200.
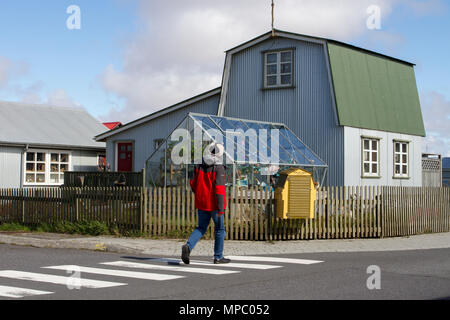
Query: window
column 278, row 67
column 35, row 167
column 370, row 161
column 45, row 167
column 401, row 159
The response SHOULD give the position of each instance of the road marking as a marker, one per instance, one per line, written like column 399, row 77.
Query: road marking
column 273, row 259
column 48, row 278
column 119, row 273
column 211, row 264
column 14, row 292
column 237, row 265
column 126, row 264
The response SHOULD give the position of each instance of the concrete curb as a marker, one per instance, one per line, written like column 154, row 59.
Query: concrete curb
column 172, row 248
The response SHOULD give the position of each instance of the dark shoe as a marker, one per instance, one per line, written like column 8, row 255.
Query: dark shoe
column 185, row 252
column 220, row 261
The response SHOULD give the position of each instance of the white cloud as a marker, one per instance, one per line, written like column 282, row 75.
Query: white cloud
column 179, row 49
column 12, row 74
column 436, row 114
column 10, row 69
column 60, row 98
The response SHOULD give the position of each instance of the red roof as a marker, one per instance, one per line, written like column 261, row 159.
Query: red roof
column 112, row 125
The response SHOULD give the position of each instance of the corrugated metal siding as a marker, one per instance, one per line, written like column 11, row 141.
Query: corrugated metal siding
column 10, row 167
column 307, row 109
column 159, row 128
column 375, row 92
column 386, row 157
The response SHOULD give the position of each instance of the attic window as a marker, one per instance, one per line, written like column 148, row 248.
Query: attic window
column 278, row 69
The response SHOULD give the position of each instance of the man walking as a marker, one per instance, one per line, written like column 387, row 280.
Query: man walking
column 210, row 201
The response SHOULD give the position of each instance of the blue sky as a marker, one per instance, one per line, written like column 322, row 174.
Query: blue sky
column 133, row 57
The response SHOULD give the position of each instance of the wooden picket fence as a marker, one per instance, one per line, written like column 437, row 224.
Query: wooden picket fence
column 120, row 207
column 340, row 212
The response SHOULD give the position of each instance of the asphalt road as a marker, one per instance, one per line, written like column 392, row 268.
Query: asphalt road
column 412, row 274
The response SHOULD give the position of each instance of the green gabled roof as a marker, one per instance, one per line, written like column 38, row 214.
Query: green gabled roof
column 374, row 91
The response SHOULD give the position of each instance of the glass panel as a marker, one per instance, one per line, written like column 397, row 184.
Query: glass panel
column 397, row 169
column 286, row 56
column 271, row 80
column 122, row 148
column 374, row 145
column 374, row 156
column 404, row 169
column 30, row 167
column 64, row 157
column 366, row 145
column 271, row 58
column 122, row 156
column 374, row 168
column 286, row 79
column 54, row 178
column 40, row 167
column 286, row 68
column 397, row 158
column 63, row 167
column 313, row 159
column 54, row 168
column 404, row 147
column 40, row 178
column 272, row 69
column 54, row 157
column 129, row 148
column 40, row 157
column 366, row 168
column 30, row 178
column 405, row 158
column 366, row 155
column 30, row 156
column 397, row 147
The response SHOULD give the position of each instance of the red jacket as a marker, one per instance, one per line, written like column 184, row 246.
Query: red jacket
column 209, row 188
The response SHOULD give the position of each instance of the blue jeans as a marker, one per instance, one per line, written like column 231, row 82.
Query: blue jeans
column 204, row 218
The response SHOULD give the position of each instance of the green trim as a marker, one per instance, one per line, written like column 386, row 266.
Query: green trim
column 374, row 92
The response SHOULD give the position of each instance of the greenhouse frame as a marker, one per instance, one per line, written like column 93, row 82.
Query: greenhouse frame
column 255, row 152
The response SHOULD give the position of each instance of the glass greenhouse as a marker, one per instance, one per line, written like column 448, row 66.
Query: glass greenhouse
column 255, row 152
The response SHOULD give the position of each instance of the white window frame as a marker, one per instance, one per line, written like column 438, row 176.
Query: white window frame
column 48, row 164
column 371, row 162
column 278, row 73
column 401, row 163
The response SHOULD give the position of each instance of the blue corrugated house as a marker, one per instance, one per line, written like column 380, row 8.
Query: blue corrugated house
column 357, row 109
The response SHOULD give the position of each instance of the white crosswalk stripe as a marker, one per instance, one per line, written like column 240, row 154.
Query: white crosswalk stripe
column 119, row 273
column 126, row 264
column 48, row 278
column 236, row 265
column 14, row 292
column 274, row 259
column 211, row 264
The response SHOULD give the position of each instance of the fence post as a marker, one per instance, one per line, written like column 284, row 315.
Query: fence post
column 23, row 207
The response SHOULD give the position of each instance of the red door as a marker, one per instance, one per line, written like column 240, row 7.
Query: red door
column 125, row 157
